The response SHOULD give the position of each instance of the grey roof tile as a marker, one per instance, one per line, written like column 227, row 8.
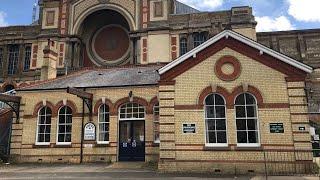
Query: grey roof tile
column 113, row 77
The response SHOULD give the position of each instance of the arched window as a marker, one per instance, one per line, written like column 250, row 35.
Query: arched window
column 183, row 46
column 44, row 126
column 215, row 117
column 156, row 126
column 64, row 125
column 104, row 124
column 247, row 120
column 131, row 111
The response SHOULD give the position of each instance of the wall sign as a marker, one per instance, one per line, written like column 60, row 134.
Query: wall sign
column 276, row 128
column 302, row 128
column 189, row 128
column 89, row 132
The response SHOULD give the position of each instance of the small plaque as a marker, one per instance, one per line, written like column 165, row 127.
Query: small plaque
column 302, row 128
column 189, row 128
column 89, row 132
column 276, row 128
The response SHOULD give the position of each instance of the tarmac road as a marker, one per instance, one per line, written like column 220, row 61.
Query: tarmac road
column 102, row 171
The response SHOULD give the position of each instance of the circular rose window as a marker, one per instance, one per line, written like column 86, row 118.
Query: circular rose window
column 228, row 68
column 110, row 45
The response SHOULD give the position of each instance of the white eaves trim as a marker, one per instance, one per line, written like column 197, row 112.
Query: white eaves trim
column 243, row 39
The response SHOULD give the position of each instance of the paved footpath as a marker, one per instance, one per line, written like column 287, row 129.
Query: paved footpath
column 114, row 171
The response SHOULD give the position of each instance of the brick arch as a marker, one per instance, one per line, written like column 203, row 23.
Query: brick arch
column 40, row 105
column 71, row 104
column 252, row 90
column 99, row 103
column 208, row 90
column 152, row 102
column 137, row 100
column 9, row 82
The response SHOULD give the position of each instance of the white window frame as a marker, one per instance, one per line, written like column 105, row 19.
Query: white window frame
column 257, row 119
column 100, row 123
column 183, row 41
column 154, row 123
column 205, row 119
column 13, row 59
column 57, row 140
column 132, row 118
column 38, row 120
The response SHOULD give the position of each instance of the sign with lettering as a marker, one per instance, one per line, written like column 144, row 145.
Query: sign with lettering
column 189, row 128
column 276, row 128
column 302, row 128
column 89, row 132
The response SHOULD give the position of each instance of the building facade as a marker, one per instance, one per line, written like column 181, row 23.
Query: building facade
column 193, row 91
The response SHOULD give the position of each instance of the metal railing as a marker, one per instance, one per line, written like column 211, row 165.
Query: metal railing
column 11, row 93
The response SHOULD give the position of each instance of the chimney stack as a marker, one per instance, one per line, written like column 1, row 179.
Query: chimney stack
column 49, row 66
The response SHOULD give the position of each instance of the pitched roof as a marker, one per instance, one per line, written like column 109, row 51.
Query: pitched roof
column 115, row 77
column 243, row 39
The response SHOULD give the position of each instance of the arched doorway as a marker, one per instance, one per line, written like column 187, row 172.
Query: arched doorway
column 105, row 34
column 132, row 132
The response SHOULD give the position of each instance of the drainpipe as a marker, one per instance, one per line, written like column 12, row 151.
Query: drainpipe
column 82, row 131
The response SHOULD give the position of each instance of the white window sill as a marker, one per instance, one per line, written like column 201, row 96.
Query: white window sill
column 103, row 142
column 42, row 144
column 63, row 143
column 216, row 145
column 249, row 145
column 156, row 142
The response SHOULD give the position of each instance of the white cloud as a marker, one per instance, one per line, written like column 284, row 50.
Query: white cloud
column 305, row 10
column 280, row 23
column 203, row 4
column 2, row 19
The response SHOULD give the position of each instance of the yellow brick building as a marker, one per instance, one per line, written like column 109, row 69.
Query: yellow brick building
column 228, row 106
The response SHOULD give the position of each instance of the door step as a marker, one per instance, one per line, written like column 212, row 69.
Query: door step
column 127, row 165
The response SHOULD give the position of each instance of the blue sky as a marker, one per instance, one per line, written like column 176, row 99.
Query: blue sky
column 272, row 15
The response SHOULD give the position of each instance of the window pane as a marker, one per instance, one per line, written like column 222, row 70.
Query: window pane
column 222, row 137
column 48, row 120
column 240, row 100
column 253, row 136
column 48, row 129
column 220, row 112
column 69, row 110
column 212, row 137
column 68, row 138
column 210, row 100
column 42, row 120
column 252, row 124
column 106, row 127
column 221, row 125
column 211, row 125
column 69, row 119
column 40, row 137
column 62, row 119
column 250, row 99
column 240, row 111
column 47, row 138
column 41, row 129
column 68, row 129
column 210, row 111
column 61, row 138
column 241, row 124
column 219, row 100
column 251, row 111
column 62, row 129
column 242, row 136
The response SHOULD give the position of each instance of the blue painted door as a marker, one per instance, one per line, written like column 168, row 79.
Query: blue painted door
column 132, row 141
